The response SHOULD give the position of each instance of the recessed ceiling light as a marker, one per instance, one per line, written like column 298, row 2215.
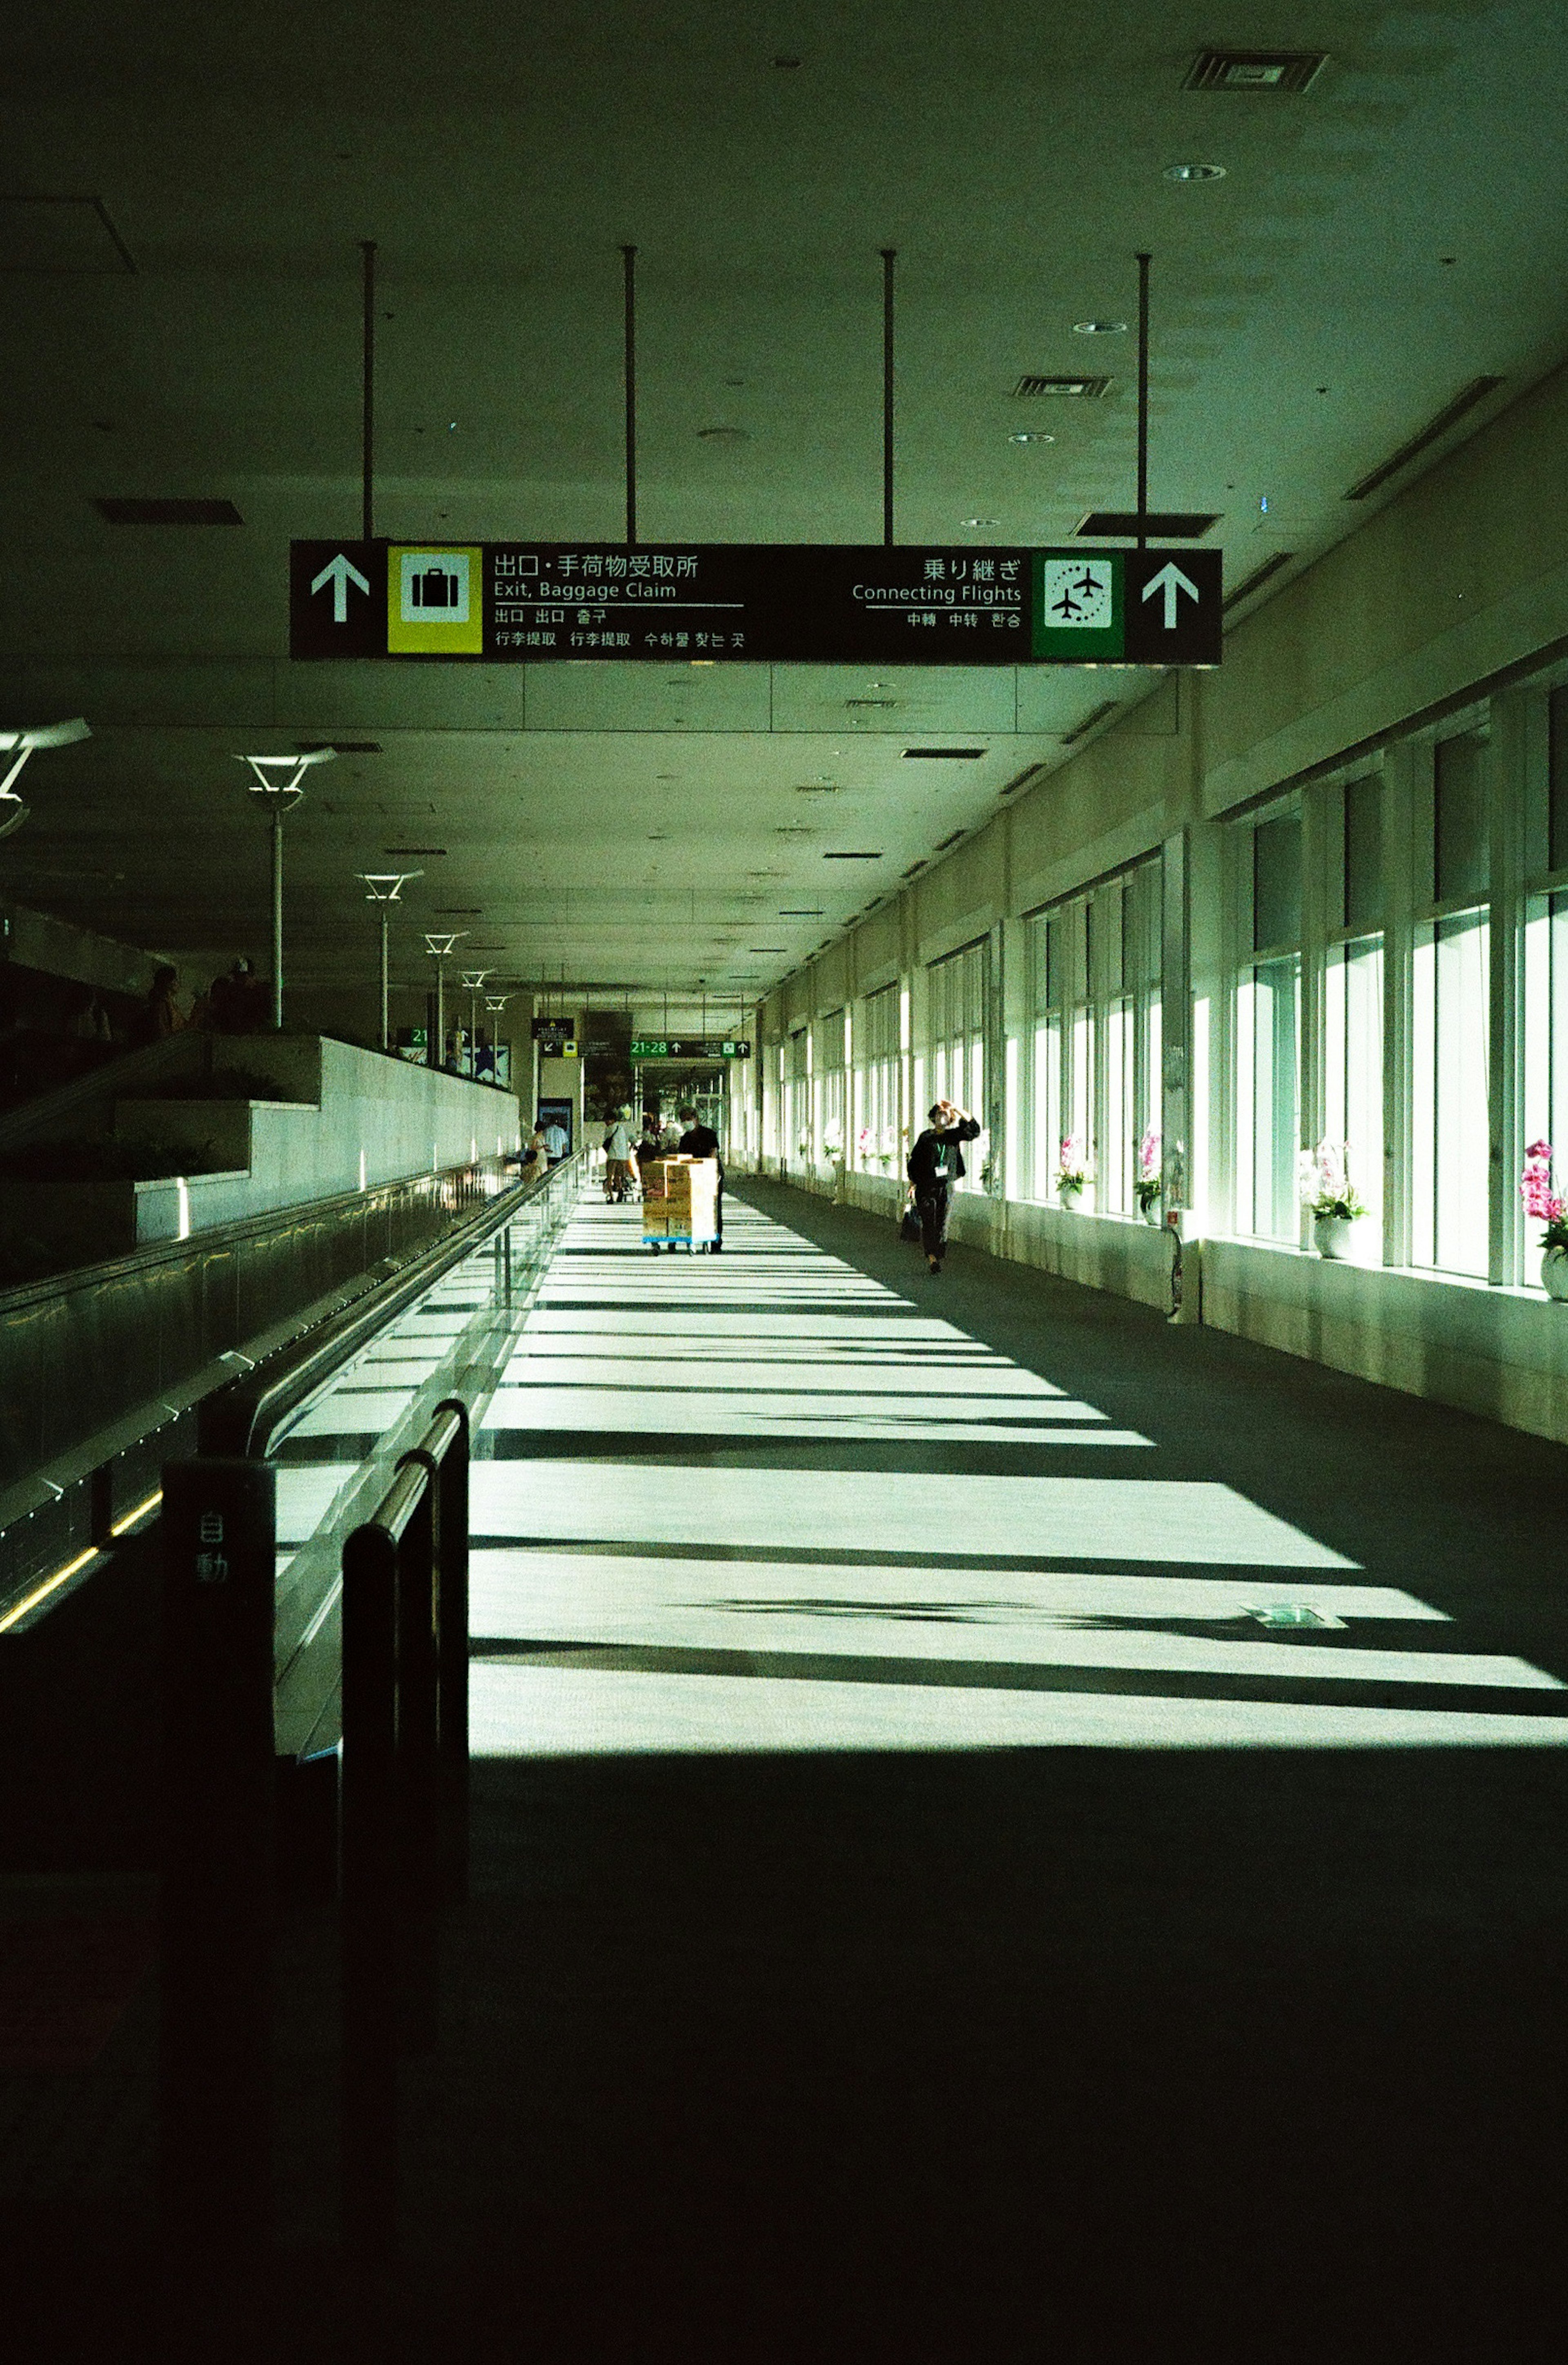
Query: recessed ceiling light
column 1194, row 172
column 1030, row 435
column 982, row 520
column 1099, row 327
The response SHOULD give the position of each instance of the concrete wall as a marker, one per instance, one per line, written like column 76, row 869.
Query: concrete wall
column 354, row 1118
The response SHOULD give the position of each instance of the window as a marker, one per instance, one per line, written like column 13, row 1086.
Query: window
column 955, row 1034
column 1096, row 1035
column 1451, row 1023
column 828, row 1084
column 1352, row 995
column 877, row 1040
column 1544, row 1017
column 1047, row 955
column 1267, row 1034
column 797, row 1144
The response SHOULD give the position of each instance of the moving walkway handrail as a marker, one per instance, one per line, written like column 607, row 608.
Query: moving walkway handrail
column 404, row 1797
column 244, row 1418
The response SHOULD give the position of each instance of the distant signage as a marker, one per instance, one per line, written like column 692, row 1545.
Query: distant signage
column 832, row 603
column 556, row 1038
column 690, row 1047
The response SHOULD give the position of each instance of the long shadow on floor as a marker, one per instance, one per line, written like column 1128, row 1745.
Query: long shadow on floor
column 1077, row 2053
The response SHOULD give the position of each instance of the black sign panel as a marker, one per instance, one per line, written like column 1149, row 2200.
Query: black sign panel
column 690, row 1047
column 713, row 603
column 337, row 600
column 1173, row 607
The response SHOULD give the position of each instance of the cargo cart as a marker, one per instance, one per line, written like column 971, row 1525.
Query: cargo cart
column 681, row 1198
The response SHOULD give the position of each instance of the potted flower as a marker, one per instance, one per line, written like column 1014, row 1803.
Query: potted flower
column 1072, row 1172
column 1147, row 1181
column 1331, row 1197
column 1547, row 1203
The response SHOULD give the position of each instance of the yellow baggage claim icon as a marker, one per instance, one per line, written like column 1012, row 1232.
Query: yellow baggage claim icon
column 432, row 601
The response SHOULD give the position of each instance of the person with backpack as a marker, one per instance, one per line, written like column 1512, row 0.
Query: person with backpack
column 936, row 1162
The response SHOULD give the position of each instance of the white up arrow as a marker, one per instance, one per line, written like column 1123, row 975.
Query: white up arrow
column 1171, row 582
column 340, row 572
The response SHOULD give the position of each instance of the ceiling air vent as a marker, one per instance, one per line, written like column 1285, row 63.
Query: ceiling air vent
column 1088, row 722
column 945, row 755
column 337, row 746
column 1159, row 525
column 915, row 866
column 167, row 512
column 413, row 849
column 1452, row 413
column 951, row 840
column 1274, row 72
column 852, row 858
column 1082, row 389
column 1256, row 580
column 1021, row 779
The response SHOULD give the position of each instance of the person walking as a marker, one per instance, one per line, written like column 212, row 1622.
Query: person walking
column 701, row 1141
column 936, row 1163
column 618, row 1158
column 555, row 1141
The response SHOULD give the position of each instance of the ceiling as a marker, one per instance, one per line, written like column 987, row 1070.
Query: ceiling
column 1376, row 243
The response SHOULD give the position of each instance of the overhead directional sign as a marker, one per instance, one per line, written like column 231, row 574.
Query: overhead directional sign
column 691, row 1047
column 833, row 603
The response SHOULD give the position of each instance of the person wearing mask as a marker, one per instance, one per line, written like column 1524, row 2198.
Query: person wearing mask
column 701, row 1141
column 618, row 1157
column 936, row 1163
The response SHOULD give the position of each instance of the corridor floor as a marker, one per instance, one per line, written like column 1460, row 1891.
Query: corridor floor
column 1074, row 1592
column 1002, row 1831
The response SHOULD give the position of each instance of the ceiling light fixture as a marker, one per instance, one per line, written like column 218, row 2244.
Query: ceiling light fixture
column 1030, row 435
column 1099, row 327
column 1194, row 173
column 19, row 745
column 279, row 783
column 385, row 888
column 982, row 520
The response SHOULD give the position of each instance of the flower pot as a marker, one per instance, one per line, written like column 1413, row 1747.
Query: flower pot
column 1076, row 1202
column 1332, row 1237
column 1152, row 1214
column 1555, row 1273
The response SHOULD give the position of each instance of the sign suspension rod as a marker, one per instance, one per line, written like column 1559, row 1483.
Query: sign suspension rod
column 1143, row 262
column 629, row 268
column 367, row 389
column 890, row 255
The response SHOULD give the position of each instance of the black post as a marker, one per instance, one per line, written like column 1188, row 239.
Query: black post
column 889, row 256
column 1142, row 263
column 452, row 1630
column 214, row 2035
column 629, row 267
column 419, row 1798
column 372, row 1895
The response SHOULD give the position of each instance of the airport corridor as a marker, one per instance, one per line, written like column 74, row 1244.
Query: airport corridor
column 1001, row 1828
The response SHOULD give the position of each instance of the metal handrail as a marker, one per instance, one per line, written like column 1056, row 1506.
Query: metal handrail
column 245, row 1416
column 404, row 1797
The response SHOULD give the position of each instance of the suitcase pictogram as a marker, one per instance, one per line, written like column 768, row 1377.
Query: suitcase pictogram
column 436, row 588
